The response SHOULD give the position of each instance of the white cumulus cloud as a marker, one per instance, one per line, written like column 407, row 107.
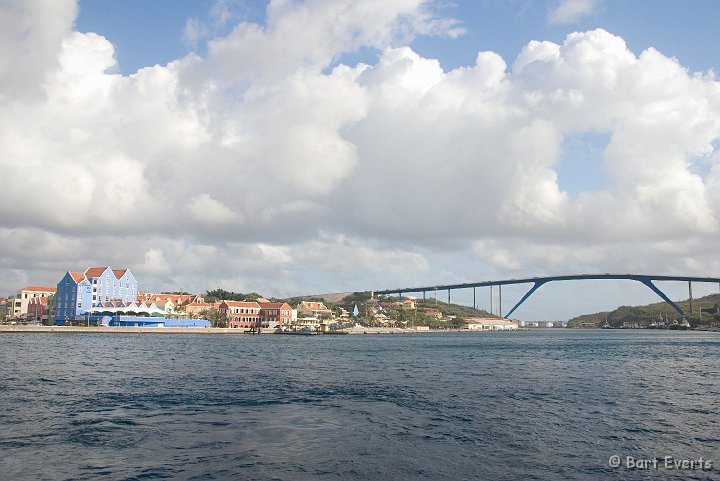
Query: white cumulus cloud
column 569, row 11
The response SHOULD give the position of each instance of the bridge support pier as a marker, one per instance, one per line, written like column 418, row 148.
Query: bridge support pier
column 529, row 293
column 648, row 282
column 500, row 300
column 491, row 300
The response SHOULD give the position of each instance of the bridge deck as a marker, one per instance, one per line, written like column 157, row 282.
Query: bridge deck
column 539, row 281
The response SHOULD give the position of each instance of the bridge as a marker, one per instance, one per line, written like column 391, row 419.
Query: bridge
column 538, row 282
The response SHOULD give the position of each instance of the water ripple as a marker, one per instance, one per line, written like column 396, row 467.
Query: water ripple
column 544, row 405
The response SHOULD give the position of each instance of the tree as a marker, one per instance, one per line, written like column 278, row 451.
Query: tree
column 223, row 295
column 216, row 318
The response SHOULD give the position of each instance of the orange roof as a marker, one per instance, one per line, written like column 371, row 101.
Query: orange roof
column 178, row 299
column 242, row 304
column 274, row 305
column 119, row 272
column 198, row 302
column 315, row 306
column 77, row 276
column 95, row 271
column 39, row 289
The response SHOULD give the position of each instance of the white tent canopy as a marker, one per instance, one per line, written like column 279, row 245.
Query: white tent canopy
column 129, row 309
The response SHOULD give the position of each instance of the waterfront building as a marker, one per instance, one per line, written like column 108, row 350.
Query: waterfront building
column 197, row 306
column 309, row 322
column 51, row 309
column 19, row 304
column 78, row 292
column 164, row 298
column 490, row 324
column 313, row 309
column 4, row 303
column 73, row 298
column 276, row 314
column 241, row 314
column 38, row 309
column 190, row 305
column 112, row 284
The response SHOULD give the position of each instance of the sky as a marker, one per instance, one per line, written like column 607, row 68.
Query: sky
column 299, row 147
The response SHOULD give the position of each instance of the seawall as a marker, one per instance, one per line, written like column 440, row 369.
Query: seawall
column 121, row 330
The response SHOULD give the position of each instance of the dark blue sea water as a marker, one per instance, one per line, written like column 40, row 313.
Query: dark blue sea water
column 539, row 405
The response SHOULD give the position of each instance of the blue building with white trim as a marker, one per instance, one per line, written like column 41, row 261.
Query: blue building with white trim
column 78, row 292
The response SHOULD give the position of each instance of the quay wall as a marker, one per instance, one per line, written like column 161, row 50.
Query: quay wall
column 203, row 330
column 121, row 330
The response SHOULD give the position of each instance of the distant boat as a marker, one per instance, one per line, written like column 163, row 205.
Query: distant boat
column 683, row 326
column 302, row 332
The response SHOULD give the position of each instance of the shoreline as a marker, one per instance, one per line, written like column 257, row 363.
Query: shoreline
column 207, row 330
column 118, row 330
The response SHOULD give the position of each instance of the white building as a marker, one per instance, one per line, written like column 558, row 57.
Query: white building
column 490, row 324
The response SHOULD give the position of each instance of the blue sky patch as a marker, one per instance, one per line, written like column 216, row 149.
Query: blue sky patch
column 581, row 165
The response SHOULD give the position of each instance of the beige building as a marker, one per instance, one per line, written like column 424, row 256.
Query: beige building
column 18, row 305
column 313, row 309
column 409, row 304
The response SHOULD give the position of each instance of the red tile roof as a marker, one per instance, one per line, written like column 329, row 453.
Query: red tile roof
column 119, row 272
column 198, row 302
column 314, row 305
column 242, row 304
column 77, row 276
column 177, row 299
column 39, row 289
column 274, row 305
column 95, row 271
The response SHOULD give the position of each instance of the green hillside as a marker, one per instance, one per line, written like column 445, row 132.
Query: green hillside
column 650, row 313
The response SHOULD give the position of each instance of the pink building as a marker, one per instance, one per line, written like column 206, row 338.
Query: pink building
column 241, row 314
column 276, row 314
